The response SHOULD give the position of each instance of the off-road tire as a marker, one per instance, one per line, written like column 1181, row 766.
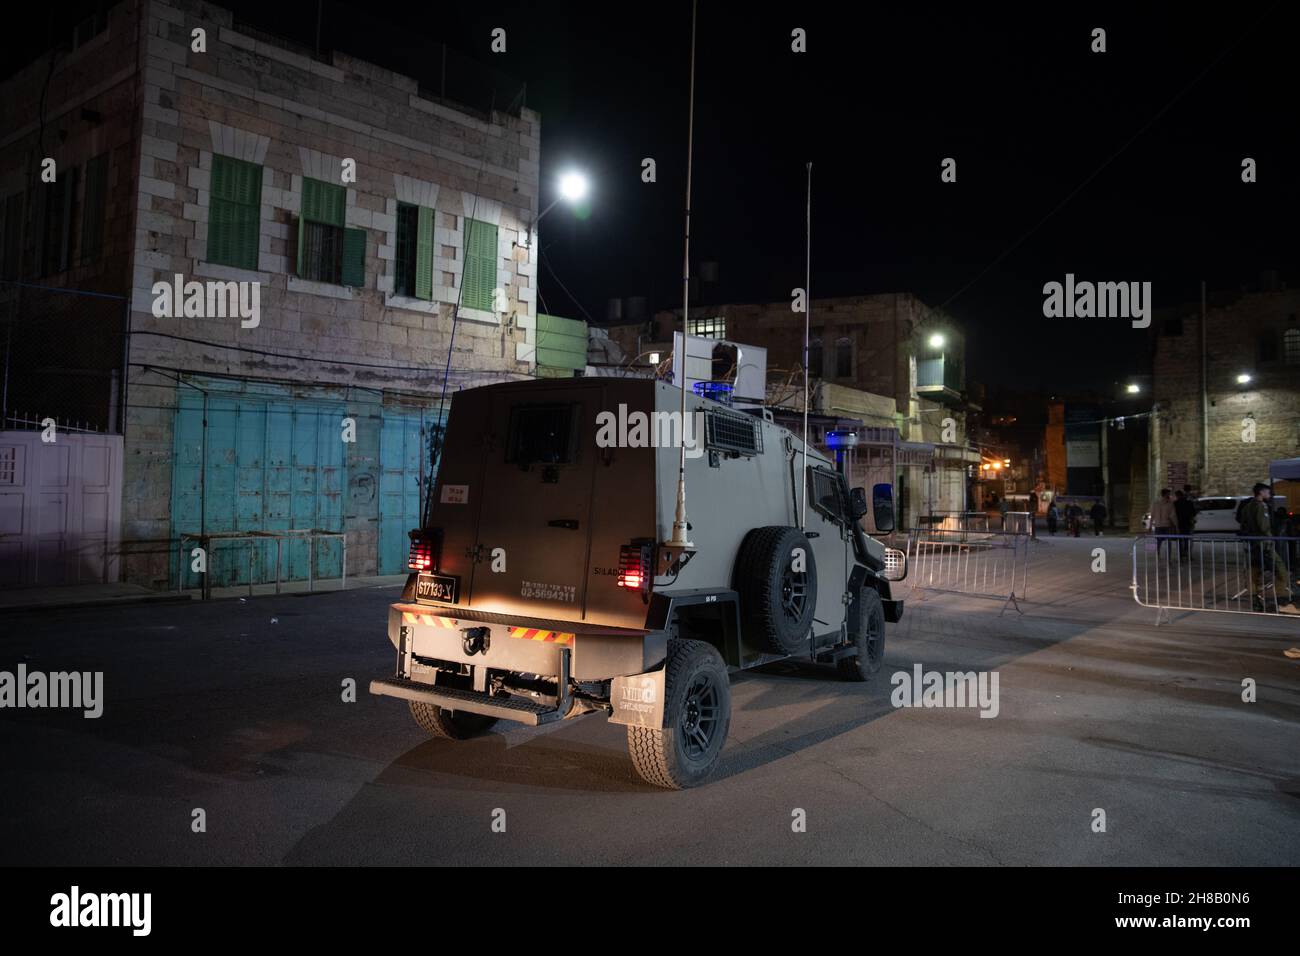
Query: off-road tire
column 863, row 665
column 449, row 724
column 763, row 579
column 672, row 757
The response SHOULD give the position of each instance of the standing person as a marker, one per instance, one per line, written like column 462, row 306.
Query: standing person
column 1256, row 522
column 1002, row 509
column 1053, row 516
column 1098, row 516
column 1075, row 515
column 1185, row 517
column 1163, row 518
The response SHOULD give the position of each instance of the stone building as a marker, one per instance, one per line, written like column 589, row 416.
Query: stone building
column 1250, row 414
column 888, row 362
column 358, row 210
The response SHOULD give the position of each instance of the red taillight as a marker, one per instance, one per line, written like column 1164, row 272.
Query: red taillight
column 421, row 558
column 424, row 555
column 634, row 566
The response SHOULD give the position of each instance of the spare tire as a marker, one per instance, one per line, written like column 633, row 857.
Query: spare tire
column 776, row 600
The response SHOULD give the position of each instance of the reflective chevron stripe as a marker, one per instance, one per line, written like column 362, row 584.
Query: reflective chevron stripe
column 533, row 634
column 428, row 619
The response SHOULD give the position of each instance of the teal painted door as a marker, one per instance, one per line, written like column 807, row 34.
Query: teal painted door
column 267, row 461
column 403, row 442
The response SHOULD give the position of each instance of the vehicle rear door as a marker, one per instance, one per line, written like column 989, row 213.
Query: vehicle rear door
column 534, row 520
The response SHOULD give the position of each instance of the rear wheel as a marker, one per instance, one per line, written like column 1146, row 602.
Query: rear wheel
column 871, row 639
column 449, row 724
column 697, row 714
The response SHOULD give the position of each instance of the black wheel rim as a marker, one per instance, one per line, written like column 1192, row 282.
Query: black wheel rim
column 794, row 592
column 701, row 714
column 874, row 634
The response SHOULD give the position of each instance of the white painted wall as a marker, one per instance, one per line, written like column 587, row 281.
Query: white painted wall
column 60, row 508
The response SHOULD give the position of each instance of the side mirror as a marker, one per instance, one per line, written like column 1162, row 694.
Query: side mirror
column 882, row 507
column 858, row 503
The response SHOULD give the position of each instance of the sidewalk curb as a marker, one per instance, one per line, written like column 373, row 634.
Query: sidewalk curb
column 98, row 603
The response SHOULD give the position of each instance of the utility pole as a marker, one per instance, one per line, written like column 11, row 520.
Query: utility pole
column 1205, row 403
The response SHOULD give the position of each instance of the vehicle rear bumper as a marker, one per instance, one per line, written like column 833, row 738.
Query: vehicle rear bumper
column 522, row 645
column 509, row 707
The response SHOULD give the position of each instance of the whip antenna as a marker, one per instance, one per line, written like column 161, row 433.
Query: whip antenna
column 807, row 321
column 680, row 524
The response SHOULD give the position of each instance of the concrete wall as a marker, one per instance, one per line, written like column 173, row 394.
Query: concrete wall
column 1235, row 330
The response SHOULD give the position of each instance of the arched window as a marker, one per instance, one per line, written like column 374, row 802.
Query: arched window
column 815, row 357
column 1291, row 346
column 844, row 358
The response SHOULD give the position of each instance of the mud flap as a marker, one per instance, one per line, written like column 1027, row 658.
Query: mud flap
column 638, row 700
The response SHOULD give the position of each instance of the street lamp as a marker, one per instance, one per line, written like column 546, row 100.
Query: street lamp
column 1244, row 378
column 1133, row 388
column 573, row 187
column 937, row 341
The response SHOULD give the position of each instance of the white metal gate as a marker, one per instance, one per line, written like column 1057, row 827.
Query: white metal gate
column 60, row 508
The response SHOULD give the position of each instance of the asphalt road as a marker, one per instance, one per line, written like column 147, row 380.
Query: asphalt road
column 235, row 707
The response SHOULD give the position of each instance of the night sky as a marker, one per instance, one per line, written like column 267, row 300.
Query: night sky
column 1121, row 166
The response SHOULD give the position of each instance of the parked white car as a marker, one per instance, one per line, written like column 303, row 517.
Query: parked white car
column 1217, row 514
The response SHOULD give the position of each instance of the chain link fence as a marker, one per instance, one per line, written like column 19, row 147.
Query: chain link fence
column 63, row 358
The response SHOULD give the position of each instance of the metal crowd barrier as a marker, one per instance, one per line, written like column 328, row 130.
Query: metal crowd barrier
column 1021, row 522
column 989, row 563
column 1197, row 572
column 207, row 539
column 959, row 520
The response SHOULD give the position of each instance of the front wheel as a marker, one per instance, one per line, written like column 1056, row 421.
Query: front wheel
column 697, row 715
column 870, row 656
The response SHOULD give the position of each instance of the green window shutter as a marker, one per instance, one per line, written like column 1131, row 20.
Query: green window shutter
column 234, row 212
column 323, row 202
column 301, row 243
column 424, row 254
column 354, row 257
column 480, row 276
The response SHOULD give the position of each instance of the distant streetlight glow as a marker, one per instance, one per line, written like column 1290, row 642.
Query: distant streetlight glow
column 1244, row 378
column 1133, row 388
column 937, row 341
column 573, row 186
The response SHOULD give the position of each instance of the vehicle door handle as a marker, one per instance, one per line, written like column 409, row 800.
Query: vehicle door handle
column 569, row 523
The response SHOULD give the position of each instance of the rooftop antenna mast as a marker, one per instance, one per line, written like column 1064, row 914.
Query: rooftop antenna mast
column 679, row 539
column 807, row 322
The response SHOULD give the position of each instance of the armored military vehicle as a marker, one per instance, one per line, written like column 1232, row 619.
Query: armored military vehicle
column 546, row 583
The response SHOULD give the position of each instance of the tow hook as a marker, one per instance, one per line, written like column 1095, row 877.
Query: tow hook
column 475, row 640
